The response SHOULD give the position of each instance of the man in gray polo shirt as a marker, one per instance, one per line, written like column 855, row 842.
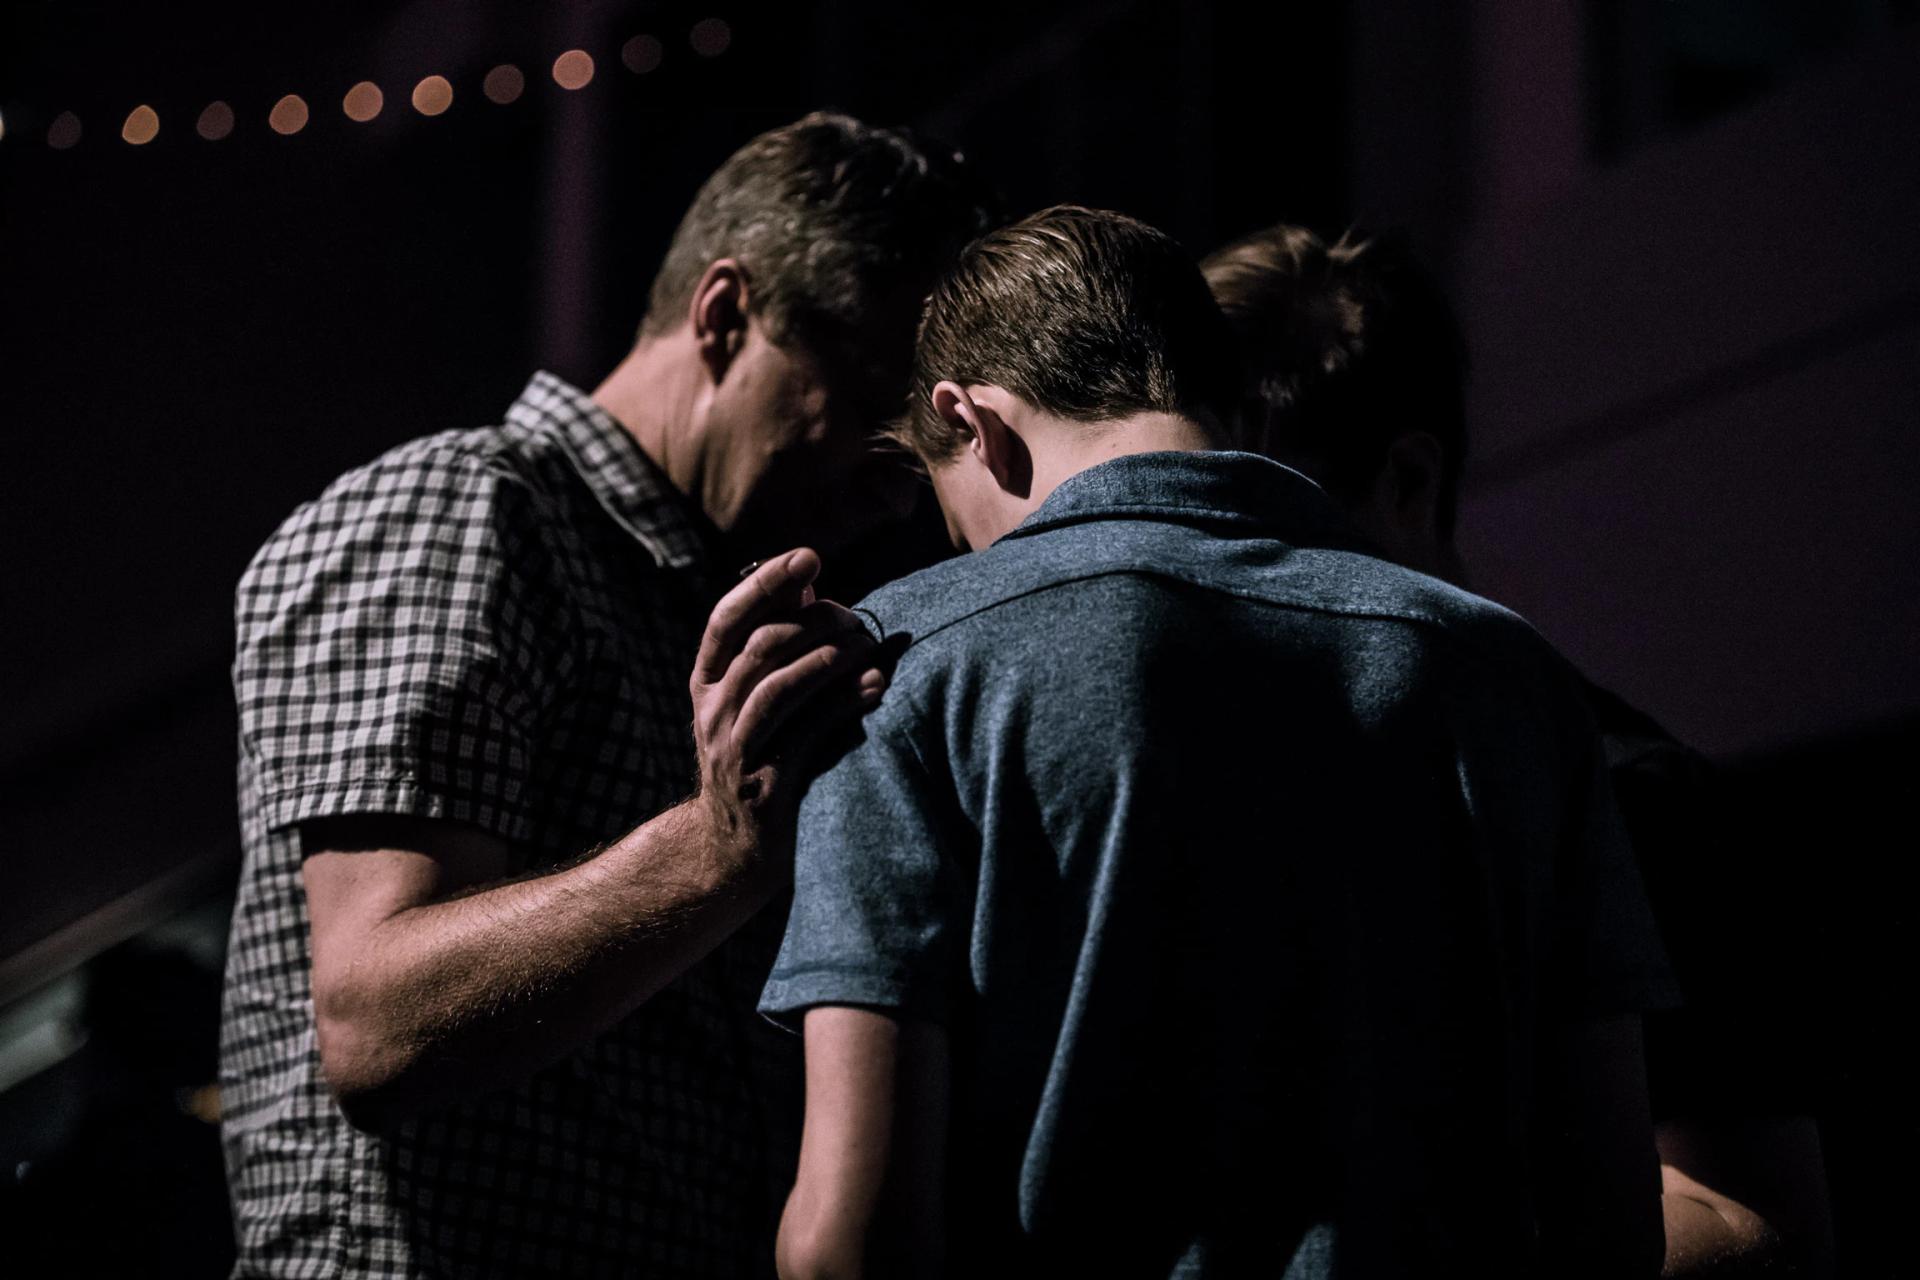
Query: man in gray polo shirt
column 1204, row 898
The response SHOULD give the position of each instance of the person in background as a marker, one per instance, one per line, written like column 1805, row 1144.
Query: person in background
column 1207, row 897
column 1356, row 376
column 489, row 1003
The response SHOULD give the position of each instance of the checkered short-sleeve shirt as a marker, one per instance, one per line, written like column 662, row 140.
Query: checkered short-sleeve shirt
column 494, row 627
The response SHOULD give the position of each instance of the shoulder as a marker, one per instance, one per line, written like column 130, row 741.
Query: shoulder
column 448, row 470
column 928, row 598
column 466, row 510
column 450, row 479
column 940, row 616
column 1342, row 588
column 1360, row 590
column 1360, row 585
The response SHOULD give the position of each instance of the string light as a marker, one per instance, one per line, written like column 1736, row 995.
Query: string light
column 363, row 102
column 641, row 54
column 503, row 84
column 289, row 115
column 573, row 69
column 216, row 122
column 142, row 126
column 432, row 96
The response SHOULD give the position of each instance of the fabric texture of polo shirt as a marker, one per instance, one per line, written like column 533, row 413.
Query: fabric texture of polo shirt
column 494, row 627
column 1245, row 872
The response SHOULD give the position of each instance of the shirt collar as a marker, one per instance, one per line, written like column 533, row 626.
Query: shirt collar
column 1256, row 495
column 623, row 479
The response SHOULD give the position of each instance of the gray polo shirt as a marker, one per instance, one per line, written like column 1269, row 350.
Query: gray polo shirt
column 1244, row 871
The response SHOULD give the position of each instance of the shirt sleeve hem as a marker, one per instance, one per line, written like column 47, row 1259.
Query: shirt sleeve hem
column 790, row 993
column 287, row 806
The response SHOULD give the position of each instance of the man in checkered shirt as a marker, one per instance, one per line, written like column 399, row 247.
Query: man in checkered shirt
column 489, row 1005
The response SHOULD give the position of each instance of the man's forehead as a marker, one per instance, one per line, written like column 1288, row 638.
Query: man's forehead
column 861, row 348
column 867, row 370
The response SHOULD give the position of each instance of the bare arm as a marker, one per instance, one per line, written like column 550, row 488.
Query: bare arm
column 869, row 1193
column 1599, row 1189
column 432, row 978
column 421, row 994
column 1745, row 1197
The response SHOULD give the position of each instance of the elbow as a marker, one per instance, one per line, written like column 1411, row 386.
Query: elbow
column 361, row 1066
column 811, row 1262
column 812, row 1250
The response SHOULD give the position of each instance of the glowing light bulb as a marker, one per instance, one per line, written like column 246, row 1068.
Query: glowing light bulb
column 142, row 126
column 363, row 102
column 289, row 115
column 432, row 96
column 573, row 69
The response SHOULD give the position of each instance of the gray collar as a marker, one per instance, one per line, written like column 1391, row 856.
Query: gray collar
column 1255, row 495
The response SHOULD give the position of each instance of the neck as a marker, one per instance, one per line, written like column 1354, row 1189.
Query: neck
column 653, row 394
column 1076, row 447
column 1060, row 449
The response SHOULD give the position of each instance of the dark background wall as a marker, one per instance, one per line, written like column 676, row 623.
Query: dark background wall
column 1679, row 232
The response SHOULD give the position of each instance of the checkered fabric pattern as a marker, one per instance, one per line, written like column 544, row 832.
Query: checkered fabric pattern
column 494, row 627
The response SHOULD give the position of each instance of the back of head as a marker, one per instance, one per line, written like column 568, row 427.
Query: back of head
column 1084, row 314
column 840, row 228
column 1345, row 347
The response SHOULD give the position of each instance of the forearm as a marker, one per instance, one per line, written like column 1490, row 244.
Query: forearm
column 454, row 997
column 852, row 1058
column 868, row 1196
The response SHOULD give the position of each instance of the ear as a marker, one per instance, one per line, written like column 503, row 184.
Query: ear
column 995, row 446
column 717, row 314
